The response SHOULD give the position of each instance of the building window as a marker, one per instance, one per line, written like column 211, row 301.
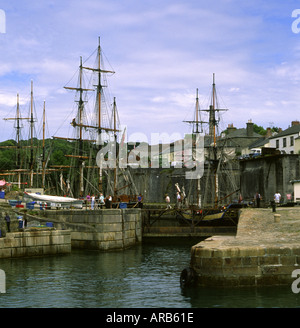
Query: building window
column 284, row 142
column 277, row 143
column 291, row 141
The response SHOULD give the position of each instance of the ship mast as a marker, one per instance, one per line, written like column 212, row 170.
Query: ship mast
column 18, row 127
column 18, row 146
column 115, row 144
column 197, row 129
column 31, row 135
column 99, row 92
column 80, row 126
column 99, row 126
column 43, row 154
column 213, row 138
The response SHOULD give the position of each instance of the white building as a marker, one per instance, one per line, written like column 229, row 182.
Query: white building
column 287, row 141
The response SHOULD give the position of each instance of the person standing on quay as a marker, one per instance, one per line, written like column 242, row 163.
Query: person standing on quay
column 101, row 200
column 88, row 199
column 179, row 200
column 93, row 202
column 257, row 198
column 167, row 199
column 140, row 201
column 277, row 197
column 7, row 219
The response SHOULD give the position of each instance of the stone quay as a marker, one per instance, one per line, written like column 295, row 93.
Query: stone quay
column 102, row 229
column 265, row 251
column 35, row 242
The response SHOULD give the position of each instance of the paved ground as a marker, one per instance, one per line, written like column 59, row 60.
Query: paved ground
column 257, row 227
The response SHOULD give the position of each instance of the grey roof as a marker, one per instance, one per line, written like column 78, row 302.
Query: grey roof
column 292, row 130
column 259, row 143
column 241, row 133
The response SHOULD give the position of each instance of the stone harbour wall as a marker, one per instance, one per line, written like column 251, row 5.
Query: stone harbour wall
column 35, row 242
column 265, row 251
column 244, row 266
column 104, row 229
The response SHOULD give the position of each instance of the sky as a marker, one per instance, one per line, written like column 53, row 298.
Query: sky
column 161, row 52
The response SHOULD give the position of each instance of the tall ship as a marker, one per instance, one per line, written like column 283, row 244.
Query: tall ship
column 213, row 198
column 95, row 123
column 29, row 168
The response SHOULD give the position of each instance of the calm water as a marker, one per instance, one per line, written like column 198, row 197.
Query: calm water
column 146, row 276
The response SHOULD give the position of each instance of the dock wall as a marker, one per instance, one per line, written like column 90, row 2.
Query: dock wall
column 265, row 251
column 244, row 265
column 105, row 229
column 35, row 243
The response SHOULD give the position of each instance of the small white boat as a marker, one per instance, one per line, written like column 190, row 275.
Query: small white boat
column 57, row 200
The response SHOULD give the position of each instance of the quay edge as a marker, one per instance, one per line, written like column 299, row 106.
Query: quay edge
column 264, row 252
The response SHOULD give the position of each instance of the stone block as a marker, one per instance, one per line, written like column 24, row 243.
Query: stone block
column 203, row 252
column 36, row 251
column 112, row 227
column 287, row 260
column 285, row 250
column 111, row 219
column 48, row 249
column 5, row 253
column 109, row 236
column 230, row 252
column 269, row 260
column 114, row 244
column 272, row 250
column 246, row 271
column 271, row 269
column 129, row 242
column 250, row 261
column 252, row 251
column 232, row 261
column 129, row 234
column 18, row 251
column 212, row 262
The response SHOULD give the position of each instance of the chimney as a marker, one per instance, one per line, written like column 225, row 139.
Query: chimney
column 295, row 123
column 269, row 133
column 250, row 129
column 230, row 128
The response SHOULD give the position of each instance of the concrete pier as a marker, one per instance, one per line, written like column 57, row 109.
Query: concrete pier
column 265, row 251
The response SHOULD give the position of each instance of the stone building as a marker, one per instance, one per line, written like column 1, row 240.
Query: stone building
column 236, row 140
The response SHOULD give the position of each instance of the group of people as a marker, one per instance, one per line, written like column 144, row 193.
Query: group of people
column 276, row 198
column 94, row 203
column 179, row 200
column 22, row 219
column 101, row 201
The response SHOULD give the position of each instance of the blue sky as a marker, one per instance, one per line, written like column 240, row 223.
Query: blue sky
column 161, row 51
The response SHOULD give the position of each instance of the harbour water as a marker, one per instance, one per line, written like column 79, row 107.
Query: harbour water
column 146, row 276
